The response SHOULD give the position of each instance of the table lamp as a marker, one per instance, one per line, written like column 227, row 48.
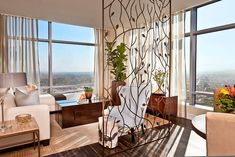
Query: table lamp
column 10, row 80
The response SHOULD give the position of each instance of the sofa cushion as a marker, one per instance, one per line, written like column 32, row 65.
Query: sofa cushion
column 25, row 98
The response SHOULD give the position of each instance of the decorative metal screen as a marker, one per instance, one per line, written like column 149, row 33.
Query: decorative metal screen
column 136, row 58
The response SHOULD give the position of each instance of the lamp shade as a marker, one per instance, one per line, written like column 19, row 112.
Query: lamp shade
column 8, row 80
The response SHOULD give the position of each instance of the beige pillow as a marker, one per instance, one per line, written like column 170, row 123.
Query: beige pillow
column 26, row 98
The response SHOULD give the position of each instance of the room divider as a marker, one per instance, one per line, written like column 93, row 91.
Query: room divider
column 136, row 59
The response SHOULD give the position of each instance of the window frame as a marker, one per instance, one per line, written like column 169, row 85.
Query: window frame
column 192, row 34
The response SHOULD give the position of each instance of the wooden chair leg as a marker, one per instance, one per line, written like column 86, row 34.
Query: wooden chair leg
column 142, row 128
column 132, row 135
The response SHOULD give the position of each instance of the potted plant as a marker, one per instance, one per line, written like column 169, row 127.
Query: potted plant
column 88, row 93
column 116, row 58
column 159, row 76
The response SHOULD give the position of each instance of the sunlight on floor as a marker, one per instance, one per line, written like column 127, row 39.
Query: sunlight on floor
column 196, row 145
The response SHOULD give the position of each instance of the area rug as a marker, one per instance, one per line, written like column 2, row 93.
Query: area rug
column 173, row 145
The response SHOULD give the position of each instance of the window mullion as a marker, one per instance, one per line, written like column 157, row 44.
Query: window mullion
column 50, row 56
column 193, row 55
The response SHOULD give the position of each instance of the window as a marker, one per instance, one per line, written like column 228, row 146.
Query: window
column 43, row 60
column 43, row 29
column 72, row 65
column 72, row 56
column 187, row 22
column 72, row 33
column 214, row 51
column 216, row 14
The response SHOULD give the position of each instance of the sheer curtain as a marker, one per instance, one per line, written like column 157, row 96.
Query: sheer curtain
column 98, row 64
column 19, row 46
column 178, row 65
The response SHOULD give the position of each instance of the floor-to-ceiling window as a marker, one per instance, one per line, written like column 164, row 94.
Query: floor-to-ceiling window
column 210, row 53
column 66, row 55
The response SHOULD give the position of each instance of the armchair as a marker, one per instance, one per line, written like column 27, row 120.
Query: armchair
column 131, row 112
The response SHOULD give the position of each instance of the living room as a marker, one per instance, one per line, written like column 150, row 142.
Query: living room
column 117, row 78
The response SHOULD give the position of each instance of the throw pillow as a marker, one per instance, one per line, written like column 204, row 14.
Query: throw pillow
column 26, row 98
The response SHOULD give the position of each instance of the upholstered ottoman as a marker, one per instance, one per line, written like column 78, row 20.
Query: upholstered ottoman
column 110, row 135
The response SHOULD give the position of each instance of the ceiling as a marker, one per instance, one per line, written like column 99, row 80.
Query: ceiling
column 77, row 12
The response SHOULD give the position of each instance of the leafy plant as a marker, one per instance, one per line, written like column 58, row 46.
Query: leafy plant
column 159, row 76
column 88, row 89
column 116, row 59
column 227, row 105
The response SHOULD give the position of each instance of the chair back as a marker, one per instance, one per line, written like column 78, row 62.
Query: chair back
column 220, row 134
column 134, row 101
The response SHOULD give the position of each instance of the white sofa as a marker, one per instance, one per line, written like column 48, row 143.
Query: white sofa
column 40, row 112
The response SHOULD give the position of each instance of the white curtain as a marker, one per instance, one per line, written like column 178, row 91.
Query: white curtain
column 178, row 66
column 19, row 46
column 98, row 64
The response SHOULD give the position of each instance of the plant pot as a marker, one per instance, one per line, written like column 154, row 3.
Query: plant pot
column 114, row 93
column 88, row 95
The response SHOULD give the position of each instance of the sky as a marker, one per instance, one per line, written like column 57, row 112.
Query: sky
column 216, row 51
column 67, row 57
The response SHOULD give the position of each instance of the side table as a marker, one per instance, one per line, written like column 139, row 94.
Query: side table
column 22, row 128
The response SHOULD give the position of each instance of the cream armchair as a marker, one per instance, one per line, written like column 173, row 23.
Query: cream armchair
column 40, row 112
column 220, row 134
column 131, row 112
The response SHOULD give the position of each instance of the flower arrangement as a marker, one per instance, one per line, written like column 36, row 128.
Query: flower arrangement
column 225, row 99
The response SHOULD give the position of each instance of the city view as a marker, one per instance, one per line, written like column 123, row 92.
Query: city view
column 208, row 81
column 68, row 81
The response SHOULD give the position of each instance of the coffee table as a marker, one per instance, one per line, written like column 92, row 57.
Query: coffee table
column 72, row 113
column 22, row 128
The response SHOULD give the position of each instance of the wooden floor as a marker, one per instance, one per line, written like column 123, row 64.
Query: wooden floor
column 183, row 141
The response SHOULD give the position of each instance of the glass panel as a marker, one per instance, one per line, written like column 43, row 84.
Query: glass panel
column 216, row 14
column 204, row 99
column 72, row 33
column 215, row 60
column 187, row 21
column 72, row 65
column 42, row 29
column 43, row 60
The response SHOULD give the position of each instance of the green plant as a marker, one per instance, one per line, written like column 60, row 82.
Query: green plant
column 116, row 59
column 159, row 76
column 227, row 105
column 88, row 89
